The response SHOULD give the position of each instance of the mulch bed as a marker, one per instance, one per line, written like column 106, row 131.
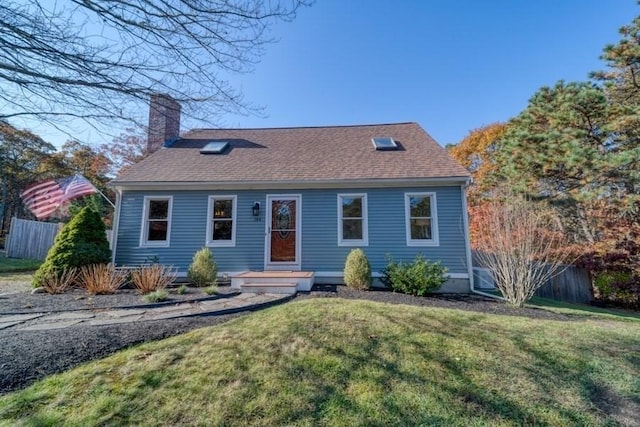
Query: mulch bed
column 78, row 299
column 26, row 357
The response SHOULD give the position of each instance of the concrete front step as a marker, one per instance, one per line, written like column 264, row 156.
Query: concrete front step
column 298, row 280
column 270, row 288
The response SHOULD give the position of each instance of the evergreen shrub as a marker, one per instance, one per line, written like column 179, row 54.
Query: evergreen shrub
column 82, row 241
column 357, row 270
column 203, row 270
column 414, row 278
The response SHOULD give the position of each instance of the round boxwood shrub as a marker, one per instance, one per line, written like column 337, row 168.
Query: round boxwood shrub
column 82, row 241
column 357, row 270
column 203, row 270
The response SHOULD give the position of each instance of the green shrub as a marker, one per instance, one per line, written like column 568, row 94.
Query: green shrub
column 181, row 290
column 157, row 296
column 605, row 282
column 415, row 278
column 211, row 290
column 82, row 241
column 357, row 270
column 203, row 270
column 621, row 288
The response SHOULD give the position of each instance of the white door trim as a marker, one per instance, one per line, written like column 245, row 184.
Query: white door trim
column 297, row 264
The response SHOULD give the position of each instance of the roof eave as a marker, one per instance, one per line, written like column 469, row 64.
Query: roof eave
column 289, row 184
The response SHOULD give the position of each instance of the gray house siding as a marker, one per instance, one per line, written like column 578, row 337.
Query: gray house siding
column 320, row 250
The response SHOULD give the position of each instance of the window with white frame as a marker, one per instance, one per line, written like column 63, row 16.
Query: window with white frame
column 221, row 224
column 421, row 219
column 156, row 221
column 352, row 220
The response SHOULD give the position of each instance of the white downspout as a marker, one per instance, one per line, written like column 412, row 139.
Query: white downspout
column 116, row 225
column 465, row 220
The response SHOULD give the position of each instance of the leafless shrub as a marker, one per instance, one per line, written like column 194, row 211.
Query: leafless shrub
column 518, row 241
column 58, row 282
column 150, row 278
column 100, row 279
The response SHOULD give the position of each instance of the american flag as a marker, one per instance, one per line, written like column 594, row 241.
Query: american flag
column 44, row 198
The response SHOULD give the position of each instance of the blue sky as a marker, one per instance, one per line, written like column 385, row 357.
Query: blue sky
column 451, row 66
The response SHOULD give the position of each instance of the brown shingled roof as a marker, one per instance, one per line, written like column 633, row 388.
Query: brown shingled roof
column 306, row 154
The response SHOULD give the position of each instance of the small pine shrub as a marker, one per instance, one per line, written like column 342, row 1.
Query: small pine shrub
column 203, row 270
column 357, row 270
column 414, row 278
column 82, row 241
column 181, row 290
column 157, row 296
column 211, row 290
column 149, row 278
column 58, row 283
column 101, row 279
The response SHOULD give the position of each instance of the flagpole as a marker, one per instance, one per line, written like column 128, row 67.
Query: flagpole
column 105, row 197
column 96, row 188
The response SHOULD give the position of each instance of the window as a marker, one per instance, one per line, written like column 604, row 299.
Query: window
column 421, row 219
column 221, row 223
column 352, row 220
column 156, row 217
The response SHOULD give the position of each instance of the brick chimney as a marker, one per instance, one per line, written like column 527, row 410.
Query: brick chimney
column 164, row 121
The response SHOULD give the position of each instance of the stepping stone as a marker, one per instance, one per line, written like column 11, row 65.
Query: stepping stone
column 71, row 315
column 245, row 296
column 257, row 299
column 101, row 322
column 209, row 305
column 5, row 325
column 170, row 308
column 169, row 315
column 48, row 326
column 124, row 313
column 19, row 317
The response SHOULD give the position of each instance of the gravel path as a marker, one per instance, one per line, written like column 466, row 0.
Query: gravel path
column 28, row 356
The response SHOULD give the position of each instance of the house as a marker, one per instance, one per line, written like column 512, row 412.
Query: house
column 292, row 200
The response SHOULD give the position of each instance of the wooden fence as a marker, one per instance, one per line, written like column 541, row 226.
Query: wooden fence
column 30, row 239
column 572, row 285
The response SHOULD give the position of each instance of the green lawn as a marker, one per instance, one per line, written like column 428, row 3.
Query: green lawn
column 583, row 310
column 8, row 265
column 340, row 362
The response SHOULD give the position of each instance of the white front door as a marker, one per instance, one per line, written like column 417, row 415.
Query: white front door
column 283, row 235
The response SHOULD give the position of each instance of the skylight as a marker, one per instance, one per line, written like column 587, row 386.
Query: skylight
column 214, row 147
column 384, row 143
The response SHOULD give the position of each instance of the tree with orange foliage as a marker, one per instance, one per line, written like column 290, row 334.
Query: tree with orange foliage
column 475, row 153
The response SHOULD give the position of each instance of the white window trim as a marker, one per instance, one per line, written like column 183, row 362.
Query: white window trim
column 365, row 221
column 144, row 229
column 434, row 241
column 234, row 213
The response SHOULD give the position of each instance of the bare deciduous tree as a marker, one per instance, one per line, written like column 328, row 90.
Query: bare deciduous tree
column 99, row 59
column 518, row 241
